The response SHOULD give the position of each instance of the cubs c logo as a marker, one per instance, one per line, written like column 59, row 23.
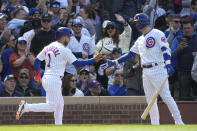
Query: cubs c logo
column 150, row 42
column 163, row 39
column 85, row 46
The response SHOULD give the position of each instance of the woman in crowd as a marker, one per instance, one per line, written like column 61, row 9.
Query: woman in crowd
column 22, row 58
column 112, row 39
column 69, row 86
column 9, row 42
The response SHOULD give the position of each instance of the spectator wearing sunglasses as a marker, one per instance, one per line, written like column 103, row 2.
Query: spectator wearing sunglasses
column 112, row 38
column 80, row 45
column 118, row 88
column 23, row 84
column 69, row 87
column 45, row 36
column 174, row 27
column 9, row 42
column 22, row 58
column 55, row 9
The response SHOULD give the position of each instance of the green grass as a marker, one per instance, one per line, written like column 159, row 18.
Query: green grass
column 98, row 128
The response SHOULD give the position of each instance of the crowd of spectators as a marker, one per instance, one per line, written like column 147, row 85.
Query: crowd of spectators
column 99, row 26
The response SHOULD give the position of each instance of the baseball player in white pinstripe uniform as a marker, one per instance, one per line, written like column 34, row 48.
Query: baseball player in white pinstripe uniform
column 56, row 55
column 155, row 57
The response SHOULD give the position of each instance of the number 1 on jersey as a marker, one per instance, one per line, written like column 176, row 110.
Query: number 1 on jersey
column 48, row 65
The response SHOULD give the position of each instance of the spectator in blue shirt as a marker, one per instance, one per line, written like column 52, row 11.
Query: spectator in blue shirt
column 118, row 88
column 182, row 59
column 174, row 29
column 9, row 42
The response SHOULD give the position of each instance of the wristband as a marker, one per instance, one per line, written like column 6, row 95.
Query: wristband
column 167, row 62
column 116, row 62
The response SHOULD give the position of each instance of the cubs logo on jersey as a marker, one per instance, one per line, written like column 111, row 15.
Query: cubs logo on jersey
column 150, row 42
column 85, row 46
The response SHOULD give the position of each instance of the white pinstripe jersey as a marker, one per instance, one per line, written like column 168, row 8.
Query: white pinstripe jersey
column 56, row 55
column 148, row 46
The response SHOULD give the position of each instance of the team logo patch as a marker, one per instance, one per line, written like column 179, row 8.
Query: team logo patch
column 150, row 42
column 85, row 46
column 163, row 39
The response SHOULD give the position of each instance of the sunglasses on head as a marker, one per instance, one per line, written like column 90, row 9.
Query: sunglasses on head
column 45, row 20
column 56, row 6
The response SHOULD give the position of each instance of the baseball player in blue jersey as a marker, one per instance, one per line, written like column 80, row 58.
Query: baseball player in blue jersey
column 56, row 55
column 155, row 55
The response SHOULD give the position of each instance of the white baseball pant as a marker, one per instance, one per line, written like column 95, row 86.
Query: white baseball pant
column 152, row 80
column 54, row 99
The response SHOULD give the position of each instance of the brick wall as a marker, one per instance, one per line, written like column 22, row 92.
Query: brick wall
column 84, row 110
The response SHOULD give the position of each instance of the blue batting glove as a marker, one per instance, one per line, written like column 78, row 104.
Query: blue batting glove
column 111, row 63
column 170, row 69
column 108, row 64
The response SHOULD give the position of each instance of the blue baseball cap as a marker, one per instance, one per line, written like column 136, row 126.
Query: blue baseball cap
column 9, row 9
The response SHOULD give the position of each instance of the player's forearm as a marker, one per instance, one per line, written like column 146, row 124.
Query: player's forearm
column 83, row 62
column 166, row 55
column 37, row 63
column 126, row 56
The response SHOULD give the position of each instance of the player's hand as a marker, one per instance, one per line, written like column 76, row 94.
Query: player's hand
column 98, row 57
column 108, row 64
column 170, row 69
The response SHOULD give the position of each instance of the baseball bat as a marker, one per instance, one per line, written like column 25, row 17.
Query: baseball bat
column 150, row 104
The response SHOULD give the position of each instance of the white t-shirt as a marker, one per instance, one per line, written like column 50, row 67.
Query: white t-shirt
column 56, row 55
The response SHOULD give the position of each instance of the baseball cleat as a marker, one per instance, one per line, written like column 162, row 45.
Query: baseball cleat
column 20, row 112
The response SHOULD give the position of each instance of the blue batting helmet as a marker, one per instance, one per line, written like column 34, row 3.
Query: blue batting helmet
column 143, row 19
column 63, row 31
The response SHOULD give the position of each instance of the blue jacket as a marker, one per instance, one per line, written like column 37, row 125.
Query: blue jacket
column 179, row 32
column 183, row 60
column 116, row 90
column 6, row 64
